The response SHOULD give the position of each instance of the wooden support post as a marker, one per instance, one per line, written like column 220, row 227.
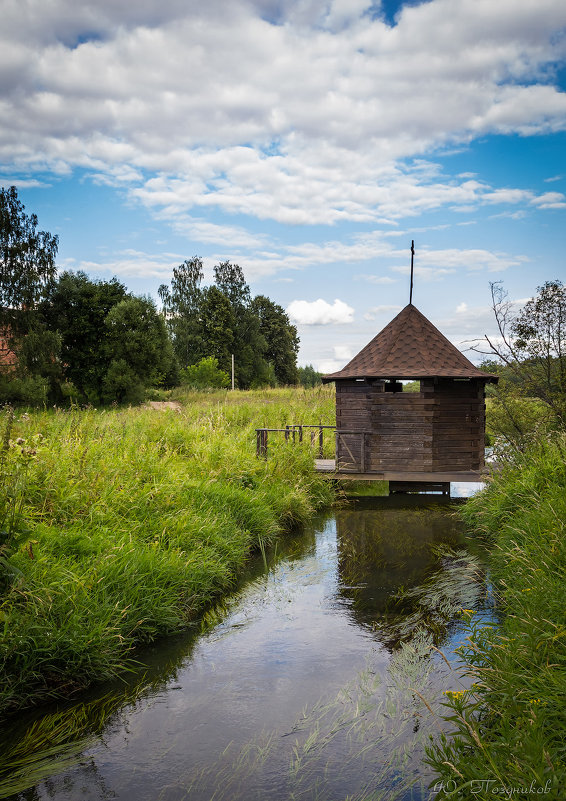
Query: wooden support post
column 300, row 433
column 320, row 440
column 286, row 433
column 265, row 443
column 257, row 442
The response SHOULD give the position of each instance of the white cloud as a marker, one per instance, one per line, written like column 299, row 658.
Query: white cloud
column 550, row 200
column 376, row 311
column 343, row 352
column 132, row 263
column 22, row 183
column 375, row 279
column 432, row 264
column 325, row 366
column 305, row 117
column 319, row 312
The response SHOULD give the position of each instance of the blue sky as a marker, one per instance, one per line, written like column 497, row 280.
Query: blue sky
column 307, row 140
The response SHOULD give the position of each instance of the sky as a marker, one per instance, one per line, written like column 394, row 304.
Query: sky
column 309, row 141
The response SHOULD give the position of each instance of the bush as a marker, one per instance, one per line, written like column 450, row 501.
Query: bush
column 205, row 375
column 28, row 391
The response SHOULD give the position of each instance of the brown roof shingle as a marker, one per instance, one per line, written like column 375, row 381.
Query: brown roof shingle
column 410, row 346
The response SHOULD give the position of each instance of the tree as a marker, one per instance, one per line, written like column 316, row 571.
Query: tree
column 138, row 349
column 308, row 376
column 229, row 279
column 218, row 322
column 182, row 309
column 251, row 368
column 532, row 344
column 76, row 307
column 27, row 262
column 281, row 338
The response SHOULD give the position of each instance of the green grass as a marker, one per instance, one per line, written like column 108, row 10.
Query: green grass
column 130, row 521
column 511, row 726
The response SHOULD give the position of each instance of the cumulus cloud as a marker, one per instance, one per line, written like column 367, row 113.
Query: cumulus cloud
column 376, row 311
column 432, row 264
column 343, row 352
column 320, row 312
column 375, row 279
column 307, row 116
column 132, row 263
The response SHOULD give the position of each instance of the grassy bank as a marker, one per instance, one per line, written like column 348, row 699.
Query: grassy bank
column 120, row 526
column 510, row 729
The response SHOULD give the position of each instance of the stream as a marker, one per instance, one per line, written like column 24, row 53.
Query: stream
column 321, row 677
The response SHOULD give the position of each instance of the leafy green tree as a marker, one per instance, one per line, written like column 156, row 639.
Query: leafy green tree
column 76, row 307
column 229, row 278
column 218, row 323
column 27, row 262
column 308, row 376
column 38, row 357
column 281, row 338
column 138, row 348
column 27, row 271
column 206, row 374
column 182, row 303
column 249, row 346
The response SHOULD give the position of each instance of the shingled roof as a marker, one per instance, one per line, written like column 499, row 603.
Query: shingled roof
column 409, row 347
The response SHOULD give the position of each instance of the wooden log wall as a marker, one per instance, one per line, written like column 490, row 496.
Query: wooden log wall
column 440, row 428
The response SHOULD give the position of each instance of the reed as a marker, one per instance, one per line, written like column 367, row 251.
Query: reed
column 134, row 521
column 509, row 728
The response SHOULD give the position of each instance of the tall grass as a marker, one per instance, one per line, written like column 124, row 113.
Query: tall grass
column 510, row 728
column 135, row 520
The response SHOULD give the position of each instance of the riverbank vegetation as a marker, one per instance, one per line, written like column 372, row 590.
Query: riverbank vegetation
column 529, row 356
column 510, row 728
column 121, row 525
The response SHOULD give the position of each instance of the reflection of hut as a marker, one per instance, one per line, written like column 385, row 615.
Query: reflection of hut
column 392, row 577
column 433, row 435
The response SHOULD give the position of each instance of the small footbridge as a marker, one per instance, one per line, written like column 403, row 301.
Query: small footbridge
column 353, row 463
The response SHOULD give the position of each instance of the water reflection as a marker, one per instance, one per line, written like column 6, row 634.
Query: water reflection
column 305, row 682
column 401, row 566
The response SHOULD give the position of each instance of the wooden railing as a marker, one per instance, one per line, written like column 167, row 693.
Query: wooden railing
column 291, row 431
column 294, row 432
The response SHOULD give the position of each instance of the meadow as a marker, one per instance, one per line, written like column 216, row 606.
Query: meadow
column 510, row 728
column 120, row 526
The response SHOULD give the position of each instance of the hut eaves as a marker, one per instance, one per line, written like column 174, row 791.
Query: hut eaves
column 410, row 347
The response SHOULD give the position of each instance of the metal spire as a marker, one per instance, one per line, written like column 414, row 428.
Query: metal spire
column 412, row 255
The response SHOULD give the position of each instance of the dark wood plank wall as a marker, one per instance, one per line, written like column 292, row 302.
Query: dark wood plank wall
column 353, row 413
column 437, row 429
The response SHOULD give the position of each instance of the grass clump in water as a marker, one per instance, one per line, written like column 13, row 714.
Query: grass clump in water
column 509, row 729
column 135, row 520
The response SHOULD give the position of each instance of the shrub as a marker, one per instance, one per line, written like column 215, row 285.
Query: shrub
column 205, row 375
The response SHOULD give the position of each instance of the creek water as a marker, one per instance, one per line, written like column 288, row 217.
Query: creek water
column 321, row 677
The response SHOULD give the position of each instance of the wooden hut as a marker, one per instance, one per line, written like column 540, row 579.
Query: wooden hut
column 434, row 435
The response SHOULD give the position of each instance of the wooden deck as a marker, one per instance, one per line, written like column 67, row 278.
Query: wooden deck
column 327, row 467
